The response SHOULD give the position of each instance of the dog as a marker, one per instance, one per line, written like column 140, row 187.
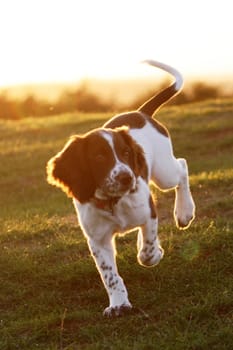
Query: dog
column 107, row 172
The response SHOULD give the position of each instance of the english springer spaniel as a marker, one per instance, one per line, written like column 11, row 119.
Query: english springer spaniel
column 107, row 172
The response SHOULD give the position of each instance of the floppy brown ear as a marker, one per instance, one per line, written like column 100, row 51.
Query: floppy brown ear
column 69, row 170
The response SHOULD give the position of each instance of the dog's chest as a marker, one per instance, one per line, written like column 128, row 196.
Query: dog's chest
column 132, row 210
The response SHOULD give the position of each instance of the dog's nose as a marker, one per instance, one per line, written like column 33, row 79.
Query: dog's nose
column 124, row 178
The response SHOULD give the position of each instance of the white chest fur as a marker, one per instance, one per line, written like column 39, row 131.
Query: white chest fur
column 132, row 210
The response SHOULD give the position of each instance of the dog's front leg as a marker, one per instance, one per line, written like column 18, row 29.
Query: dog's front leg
column 149, row 250
column 104, row 255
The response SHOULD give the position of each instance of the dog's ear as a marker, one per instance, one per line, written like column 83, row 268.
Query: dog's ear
column 137, row 160
column 69, row 170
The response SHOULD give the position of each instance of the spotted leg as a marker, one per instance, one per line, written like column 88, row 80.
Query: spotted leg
column 149, row 250
column 104, row 256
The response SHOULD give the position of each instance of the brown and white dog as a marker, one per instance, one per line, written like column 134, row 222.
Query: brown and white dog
column 107, row 173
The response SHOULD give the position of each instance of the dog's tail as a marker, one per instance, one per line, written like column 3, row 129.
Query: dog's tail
column 155, row 102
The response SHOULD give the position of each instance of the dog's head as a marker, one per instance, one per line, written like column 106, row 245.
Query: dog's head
column 104, row 161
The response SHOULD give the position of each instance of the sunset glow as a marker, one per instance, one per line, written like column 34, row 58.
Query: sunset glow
column 67, row 40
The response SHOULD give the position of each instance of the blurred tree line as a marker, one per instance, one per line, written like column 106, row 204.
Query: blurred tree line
column 84, row 100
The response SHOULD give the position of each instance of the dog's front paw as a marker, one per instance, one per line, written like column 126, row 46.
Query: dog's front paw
column 117, row 311
column 148, row 257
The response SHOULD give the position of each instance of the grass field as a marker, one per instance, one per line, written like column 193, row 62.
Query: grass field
column 51, row 296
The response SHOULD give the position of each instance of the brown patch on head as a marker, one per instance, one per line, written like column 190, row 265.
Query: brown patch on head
column 81, row 166
column 131, row 153
column 68, row 170
column 85, row 162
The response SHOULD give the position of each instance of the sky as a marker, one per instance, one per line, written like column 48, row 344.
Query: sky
column 69, row 40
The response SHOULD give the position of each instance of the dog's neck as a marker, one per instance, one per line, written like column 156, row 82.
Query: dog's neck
column 106, row 204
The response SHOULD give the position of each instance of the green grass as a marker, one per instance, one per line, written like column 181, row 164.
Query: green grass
column 51, row 296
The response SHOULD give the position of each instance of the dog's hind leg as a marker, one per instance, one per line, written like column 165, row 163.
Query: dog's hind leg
column 171, row 173
column 184, row 209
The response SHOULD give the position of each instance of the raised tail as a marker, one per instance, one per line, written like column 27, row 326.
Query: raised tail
column 155, row 102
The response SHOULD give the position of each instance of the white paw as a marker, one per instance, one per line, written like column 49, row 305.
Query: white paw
column 184, row 215
column 184, row 222
column 150, row 256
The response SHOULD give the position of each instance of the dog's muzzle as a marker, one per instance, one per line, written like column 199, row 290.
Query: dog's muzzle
column 125, row 180
column 119, row 184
